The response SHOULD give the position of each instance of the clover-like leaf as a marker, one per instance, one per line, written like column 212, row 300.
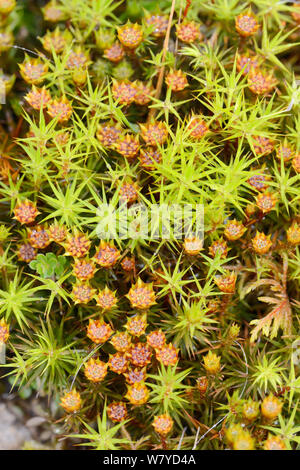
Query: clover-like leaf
column 49, row 265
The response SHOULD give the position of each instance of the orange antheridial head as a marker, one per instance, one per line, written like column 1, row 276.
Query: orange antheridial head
column 212, row 363
column 156, row 339
column 176, row 80
column 135, row 375
column 4, row 331
column 285, row 152
column 84, row 269
column 188, row 31
column 293, row 234
column 124, row 91
column 38, row 98
column 271, row 407
column 121, row 341
column 163, row 424
column 250, row 410
column 57, row 232
column 192, row 245
column 53, row 13
column 82, row 293
column 234, row 230
column 226, row 282
column 77, row 245
column 7, row 6
column 128, row 264
column 129, row 192
column 266, row 201
column 214, row 305
column 130, row 35
column 107, row 254
column 25, row 212
column 71, row 401
column 106, row 299
column 246, row 63
column 259, row 181
column 95, row 370
column 56, row 40
column 275, row 442
column 61, row 109
column 263, row 145
column 149, row 157
column 141, row 295
column 244, row 441
column 99, row 331
column 140, row 354
column 26, row 252
column 7, row 171
column 127, row 146
column 137, row 394
column 202, row 384
column 144, row 91
column 108, row 135
column 246, row 24
column 77, row 59
column 296, row 163
column 167, row 355
column 115, row 52
column 197, row 127
column 154, row 134
column 260, row 82
column 117, row 411
column 33, row 71
column 219, row 247
column 118, row 362
column 136, row 326
column 159, row 23
column 38, row 237
column 62, row 138
column 261, row 243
